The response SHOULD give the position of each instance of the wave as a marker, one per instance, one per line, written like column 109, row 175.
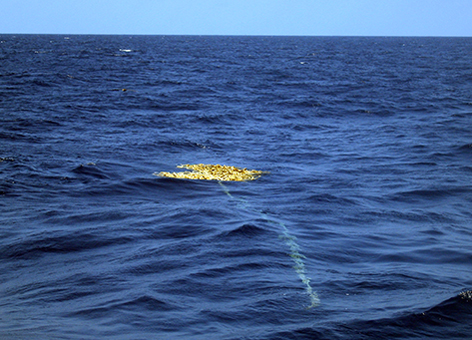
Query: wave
column 466, row 148
column 139, row 304
column 246, row 230
column 90, row 170
column 451, row 319
column 37, row 245
column 409, row 196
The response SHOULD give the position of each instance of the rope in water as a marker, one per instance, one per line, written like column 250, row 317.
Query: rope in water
column 222, row 173
column 290, row 241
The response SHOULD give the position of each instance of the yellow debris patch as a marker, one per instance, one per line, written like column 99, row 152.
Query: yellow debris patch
column 216, row 172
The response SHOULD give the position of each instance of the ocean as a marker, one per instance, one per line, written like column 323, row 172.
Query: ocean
column 360, row 229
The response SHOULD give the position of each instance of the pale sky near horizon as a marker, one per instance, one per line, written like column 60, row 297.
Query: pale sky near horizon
column 239, row 17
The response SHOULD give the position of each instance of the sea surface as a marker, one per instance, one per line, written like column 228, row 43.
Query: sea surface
column 361, row 230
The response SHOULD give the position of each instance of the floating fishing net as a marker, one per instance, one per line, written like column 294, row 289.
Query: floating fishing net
column 212, row 172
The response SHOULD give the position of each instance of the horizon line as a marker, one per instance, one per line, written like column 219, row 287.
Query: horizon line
column 245, row 35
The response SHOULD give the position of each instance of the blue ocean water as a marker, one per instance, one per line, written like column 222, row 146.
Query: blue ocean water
column 367, row 206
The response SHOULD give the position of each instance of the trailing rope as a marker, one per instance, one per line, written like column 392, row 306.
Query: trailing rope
column 290, row 241
column 222, row 173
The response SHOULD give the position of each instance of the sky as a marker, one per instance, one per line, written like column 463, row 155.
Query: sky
column 239, row 17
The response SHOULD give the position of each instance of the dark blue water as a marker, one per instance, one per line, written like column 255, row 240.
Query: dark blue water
column 367, row 206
